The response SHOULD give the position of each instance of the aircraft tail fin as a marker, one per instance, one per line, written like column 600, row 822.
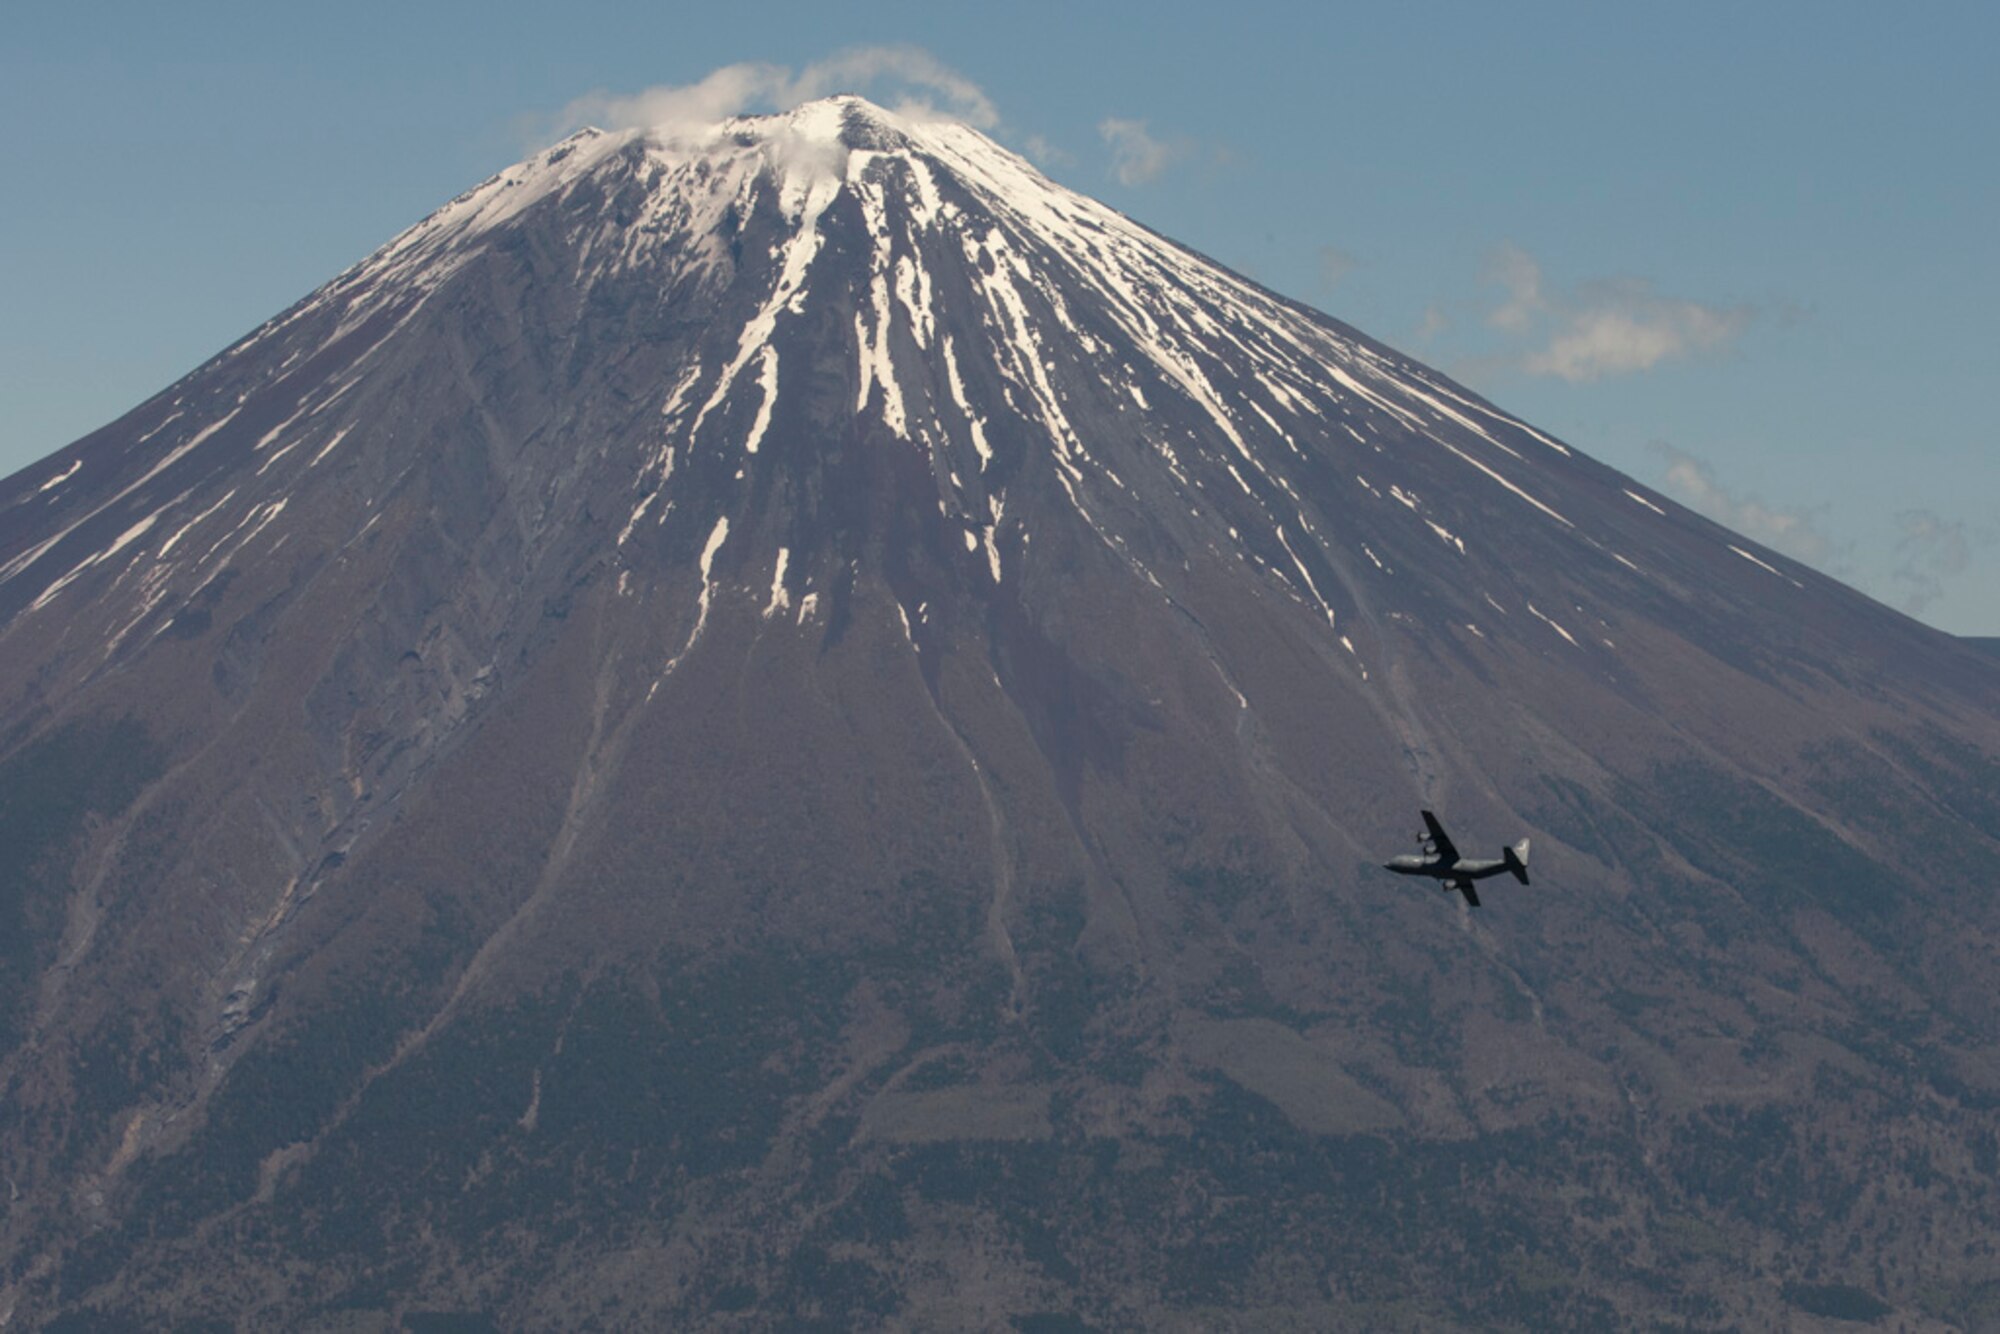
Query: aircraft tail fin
column 1516, row 858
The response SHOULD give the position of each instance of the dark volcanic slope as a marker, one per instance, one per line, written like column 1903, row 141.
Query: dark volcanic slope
column 793, row 723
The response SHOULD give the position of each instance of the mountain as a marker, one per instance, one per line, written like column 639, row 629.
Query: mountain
column 790, row 724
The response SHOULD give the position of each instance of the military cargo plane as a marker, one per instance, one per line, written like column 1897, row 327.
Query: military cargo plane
column 1441, row 862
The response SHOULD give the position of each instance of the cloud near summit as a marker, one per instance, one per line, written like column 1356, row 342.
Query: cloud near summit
column 922, row 84
column 1136, row 156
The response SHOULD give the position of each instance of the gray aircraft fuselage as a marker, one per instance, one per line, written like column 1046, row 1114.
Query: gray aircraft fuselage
column 1441, row 862
column 1437, row 868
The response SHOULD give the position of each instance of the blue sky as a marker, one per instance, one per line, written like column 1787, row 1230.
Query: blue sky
column 1744, row 253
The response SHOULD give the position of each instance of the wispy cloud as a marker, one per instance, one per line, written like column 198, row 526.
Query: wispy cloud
column 1334, row 264
column 1925, row 558
column 1795, row 532
column 1136, row 156
column 1516, row 271
column 918, row 83
column 1046, row 153
column 1930, row 550
column 1628, row 328
column 1615, row 326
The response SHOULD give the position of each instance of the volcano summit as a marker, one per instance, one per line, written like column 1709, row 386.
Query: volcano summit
column 789, row 722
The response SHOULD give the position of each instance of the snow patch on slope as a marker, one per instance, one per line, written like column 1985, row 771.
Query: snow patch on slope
column 780, row 599
column 716, row 537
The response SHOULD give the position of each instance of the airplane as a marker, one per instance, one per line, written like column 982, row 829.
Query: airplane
column 1442, row 863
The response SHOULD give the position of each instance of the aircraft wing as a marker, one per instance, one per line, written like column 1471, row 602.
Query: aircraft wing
column 1465, row 887
column 1440, row 841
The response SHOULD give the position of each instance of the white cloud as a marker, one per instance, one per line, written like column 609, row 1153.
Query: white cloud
column 865, row 66
column 1795, row 532
column 1136, row 156
column 1608, row 327
column 1634, row 331
column 718, row 95
column 923, row 86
